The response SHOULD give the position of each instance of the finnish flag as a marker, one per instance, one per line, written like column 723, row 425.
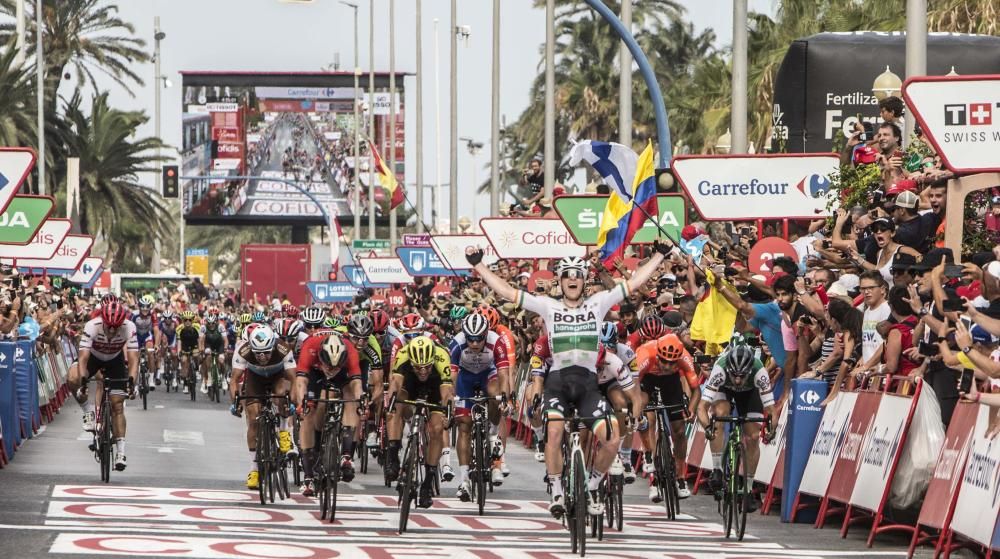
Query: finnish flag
column 614, row 162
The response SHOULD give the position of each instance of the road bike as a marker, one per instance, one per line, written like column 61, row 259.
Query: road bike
column 481, row 460
column 326, row 472
column 613, row 489
column 191, row 380
column 143, row 379
column 411, row 471
column 169, row 368
column 736, row 483
column 663, row 457
column 214, row 378
column 271, row 473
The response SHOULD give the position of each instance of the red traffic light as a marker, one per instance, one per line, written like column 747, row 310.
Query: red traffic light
column 170, row 172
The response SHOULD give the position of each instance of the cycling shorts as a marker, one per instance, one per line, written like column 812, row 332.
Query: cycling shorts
column 256, row 385
column 670, row 391
column 416, row 390
column 575, row 388
column 466, row 385
column 145, row 339
column 318, row 382
column 115, row 371
column 746, row 402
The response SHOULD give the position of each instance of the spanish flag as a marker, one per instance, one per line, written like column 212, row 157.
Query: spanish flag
column 387, row 178
column 622, row 220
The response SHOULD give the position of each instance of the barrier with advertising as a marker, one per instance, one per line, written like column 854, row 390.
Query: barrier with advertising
column 385, row 270
column 743, row 187
column 846, row 465
column 451, row 250
column 582, row 215
column 68, row 256
column 956, row 116
column 805, row 414
column 979, row 490
column 43, row 245
column 527, row 237
column 771, row 452
column 826, row 447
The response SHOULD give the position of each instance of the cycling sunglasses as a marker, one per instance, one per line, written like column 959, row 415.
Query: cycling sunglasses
column 475, row 339
column 572, row 274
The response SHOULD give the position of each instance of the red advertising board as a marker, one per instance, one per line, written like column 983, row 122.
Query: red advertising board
column 845, row 470
column 229, row 150
column 767, row 250
column 224, row 134
column 396, row 298
column 270, row 269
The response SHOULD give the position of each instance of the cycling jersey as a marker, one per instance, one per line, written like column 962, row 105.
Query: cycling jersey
column 169, row 330
column 144, row 326
column 281, row 359
column 719, row 382
column 400, row 342
column 491, row 357
column 574, row 333
column 510, row 342
column 613, row 367
column 309, row 358
column 213, row 338
column 627, row 355
column 647, row 363
column 104, row 347
column 188, row 335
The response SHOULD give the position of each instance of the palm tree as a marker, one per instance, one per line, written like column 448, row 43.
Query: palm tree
column 114, row 206
column 17, row 106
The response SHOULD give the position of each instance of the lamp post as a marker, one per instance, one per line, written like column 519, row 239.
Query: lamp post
column 357, row 135
column 453, row 136
column 886, row 84
column 419, row 164
column 158, row 82
column 738, row 114
column 724, row 143
column 40, row 85
column 464, row 223
column 550, row 99
column 371, row 116
column 392, row 115
column 495, row 115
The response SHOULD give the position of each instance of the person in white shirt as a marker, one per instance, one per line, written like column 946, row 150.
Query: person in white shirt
column 876, row 310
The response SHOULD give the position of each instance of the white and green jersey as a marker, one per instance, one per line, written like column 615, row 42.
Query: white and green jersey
column 574, row 333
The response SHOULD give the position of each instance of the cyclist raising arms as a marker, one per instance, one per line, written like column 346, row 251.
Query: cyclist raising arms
column 573, row 327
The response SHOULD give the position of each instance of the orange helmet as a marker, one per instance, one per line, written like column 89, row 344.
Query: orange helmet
column 491, row 314
column 669, row 348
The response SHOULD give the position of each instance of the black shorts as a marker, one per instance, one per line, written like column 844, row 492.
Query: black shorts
column 257, row 385
column 115, row 371
column 318, row 382
column 671, row 392
column 430, row 390
column 575, row 388
column 746, row 402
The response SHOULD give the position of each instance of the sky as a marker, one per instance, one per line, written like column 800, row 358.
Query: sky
column 269, row 35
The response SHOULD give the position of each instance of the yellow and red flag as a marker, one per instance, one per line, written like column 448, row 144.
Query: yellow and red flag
column 387, row 177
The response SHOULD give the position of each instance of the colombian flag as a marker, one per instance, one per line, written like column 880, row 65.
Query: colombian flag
column 621, row 218
column 387, row 177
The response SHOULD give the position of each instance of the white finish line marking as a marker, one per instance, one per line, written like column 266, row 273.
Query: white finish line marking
column 183, row 437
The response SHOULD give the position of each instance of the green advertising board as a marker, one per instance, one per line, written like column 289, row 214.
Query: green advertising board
column 23, row 217
column 365, row 246
column 582, row 215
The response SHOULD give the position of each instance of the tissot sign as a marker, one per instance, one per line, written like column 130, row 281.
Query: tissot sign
column 961, row 117
column 530, row 238
column 726, row 187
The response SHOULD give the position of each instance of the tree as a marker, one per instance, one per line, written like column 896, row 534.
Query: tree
column 17, row 108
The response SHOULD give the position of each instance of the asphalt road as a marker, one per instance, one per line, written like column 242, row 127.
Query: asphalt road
column 183, row 495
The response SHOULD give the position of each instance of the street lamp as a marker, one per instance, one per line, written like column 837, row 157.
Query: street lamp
column 474, row 148
column 724, row 143
column 464, row 223
column 887, row 84
column 357, row 77
column 952, row 73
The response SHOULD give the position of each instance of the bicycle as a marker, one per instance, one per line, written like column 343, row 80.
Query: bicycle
column 326, row 472
column 411, row 471
column 663, row 457
column 191, row 380
column 102, row 443
column 480, row 463
column 143, row 381
column 271, row 474
column 214, row 389
column 736, row 484
column 169, row 368
column 613, row 488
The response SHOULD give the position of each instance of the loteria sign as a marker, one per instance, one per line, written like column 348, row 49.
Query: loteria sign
column 530, row 238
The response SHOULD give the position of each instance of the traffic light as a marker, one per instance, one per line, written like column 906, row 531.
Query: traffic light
column 170, row 176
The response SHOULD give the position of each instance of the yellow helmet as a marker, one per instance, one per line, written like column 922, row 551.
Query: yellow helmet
column 421, row 351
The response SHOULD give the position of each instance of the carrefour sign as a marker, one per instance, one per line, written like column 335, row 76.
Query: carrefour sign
column 774, row 186
column 530, row 238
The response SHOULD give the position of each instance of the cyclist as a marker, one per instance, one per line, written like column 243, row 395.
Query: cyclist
column 108, row 345
column 421, row 371
column 573, row 328
column 166, row 339
column 650, row 328
column 146, row 332
column 312, row 319
column 213, row 342
column 609, row 340
column 729, row 384
column 499, row 437
column 360, row 331
column 190, row 339
column 265, row 366
column 327, row 363
column 478, row 361
column 663, row 364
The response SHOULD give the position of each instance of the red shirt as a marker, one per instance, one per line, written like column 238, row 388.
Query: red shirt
column 309, row 357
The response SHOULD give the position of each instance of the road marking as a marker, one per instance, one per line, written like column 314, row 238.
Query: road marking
column 165, row 450
column 183, row 437
column 158, row 407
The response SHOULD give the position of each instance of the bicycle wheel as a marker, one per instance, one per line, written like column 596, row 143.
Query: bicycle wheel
column 143, row 385
column 666, row 475
column 261, row 458
column 104, row 442
column 742, row 493
column 408, row 484
column 481, row 470
column 580, row 502
column 728, row 490
column 215, row 383
column 361, row 448
column 192, row 381
column 614, row 505
column 297, row 462
column 331, row 453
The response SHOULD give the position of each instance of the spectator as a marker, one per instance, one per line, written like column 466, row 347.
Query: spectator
column 993, row 215
column 913, row 229
column 891, row 110
column 900, row 335
column 876, row 310
column 846, row 322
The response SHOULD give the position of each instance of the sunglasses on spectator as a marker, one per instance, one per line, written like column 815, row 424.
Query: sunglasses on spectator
column 899, row 271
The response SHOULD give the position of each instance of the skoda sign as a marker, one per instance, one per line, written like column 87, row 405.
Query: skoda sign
column 582, row 215
column 23, row 217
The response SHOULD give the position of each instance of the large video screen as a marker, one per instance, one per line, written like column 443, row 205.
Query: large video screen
column 293, row 135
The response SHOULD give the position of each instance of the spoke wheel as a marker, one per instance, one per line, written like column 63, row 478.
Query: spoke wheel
column 331, row 456
column 481, row 471
column 104, row 444
column 408, row 483
column 580, row 503
column 741, row 496
column 261, row 463
column 728, row 490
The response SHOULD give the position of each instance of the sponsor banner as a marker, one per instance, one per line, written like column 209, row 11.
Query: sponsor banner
column 742, row 187
column 423, row 261
column 880, row 450
column 332, row 136
column 68, row 256
column 937, row 507
column 286, row 207
column 305, row 106
column 451, row 250
column 226, row 164
column 196, row 263
column 222, row 107
column 767, row 250
column 356, row 277
column 44, row 244
column 380, row 106
column 332, row 291
column 226, row 134
column 90, row 269
column 956, row 115
column 830, row 437
column 270, row 92
column 15, row 164
column 805, row 414
column 230, row 150
column 845, row 469
column 418, row 240
column 583, row 214
column 769, row 453
column 265, row 186
column 979, row 491
column 23, row 217
column 527, row 237
column 372, row 247
column 253, row 138
column 385, row 270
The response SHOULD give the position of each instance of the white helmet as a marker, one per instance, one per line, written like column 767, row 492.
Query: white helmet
column 262, row 339
column 475, row 325
column 572, row 263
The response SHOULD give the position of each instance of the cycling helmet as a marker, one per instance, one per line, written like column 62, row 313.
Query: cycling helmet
column 187, row 315
column 380, row 320
column 739, row 361
column 421, row 351
column 572, row 263
column 262, row 339
column 313, row 316
column 248, row 329
column 146, row 302
column 211, row 319
column 410, row 322
column 258, row 316
column 669, row 348
column 458, row 313
column 651, row 327
column 475, row 325
column 333, row 351
column 290, row 310
column 108, row 299
column 331, row 322
column 281, row 327
column 114, row 314
column 609, row 333
column 245, row 318
column 360, row 325
column 491, row 314
column 168, row 315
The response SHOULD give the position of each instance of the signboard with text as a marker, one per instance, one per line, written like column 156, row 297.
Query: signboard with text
column 423, row 261
column 15, row 164
column 451, row 250
column 44, row 244
column 385, row 270
column 527, row 237
column 583, row 214
column 88, row 271
column 332, row 291
column 356, row 276
column 68, row 256
column 744, row 187
column 364, row 247
column 23, row 217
